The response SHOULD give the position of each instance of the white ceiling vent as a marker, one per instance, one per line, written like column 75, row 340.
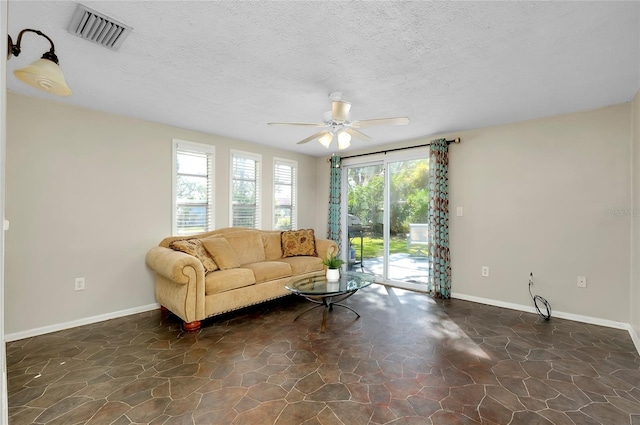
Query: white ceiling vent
column 98, row 28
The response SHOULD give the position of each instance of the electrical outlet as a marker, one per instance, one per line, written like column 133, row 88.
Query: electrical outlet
column 79, row 284
column 485, row 271
column 582, row 281
column 459, row 211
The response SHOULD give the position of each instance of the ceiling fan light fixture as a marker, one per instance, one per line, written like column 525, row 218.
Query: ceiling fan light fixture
column 344, row 140
column 326, row 140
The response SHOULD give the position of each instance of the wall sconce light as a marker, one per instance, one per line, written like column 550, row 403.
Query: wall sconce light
column 43, row 74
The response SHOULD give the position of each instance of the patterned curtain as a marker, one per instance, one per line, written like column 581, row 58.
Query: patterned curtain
column 335, row 195
column 440, row 264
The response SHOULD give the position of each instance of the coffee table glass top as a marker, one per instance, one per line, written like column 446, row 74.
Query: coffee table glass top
column 319, row 286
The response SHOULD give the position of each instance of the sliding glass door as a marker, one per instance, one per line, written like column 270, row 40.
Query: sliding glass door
column 365, row 217
column 385, row 209
column 408, row 207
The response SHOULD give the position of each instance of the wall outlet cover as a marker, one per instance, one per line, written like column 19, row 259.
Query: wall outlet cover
column 582, row 281
column 79, row 284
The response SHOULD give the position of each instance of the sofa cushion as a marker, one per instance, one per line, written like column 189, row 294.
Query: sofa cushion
column 224, row 256
column 301, row 265
column 247, row 245
column 194, row 247
column 269, row 270
column 226, row 280
column 272, row 242
column 298, row 242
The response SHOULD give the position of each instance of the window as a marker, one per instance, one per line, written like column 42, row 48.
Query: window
column 192, row 187
column 245, row 189
column 284, row 192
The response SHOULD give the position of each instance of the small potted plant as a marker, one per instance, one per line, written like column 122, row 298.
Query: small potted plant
column 333, row 264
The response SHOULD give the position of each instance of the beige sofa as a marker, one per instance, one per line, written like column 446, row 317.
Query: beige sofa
column 248, row 267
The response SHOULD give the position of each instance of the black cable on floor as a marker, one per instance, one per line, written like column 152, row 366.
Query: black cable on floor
column 539, row 302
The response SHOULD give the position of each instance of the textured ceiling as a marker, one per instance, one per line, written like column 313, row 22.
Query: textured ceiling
column 228, row 68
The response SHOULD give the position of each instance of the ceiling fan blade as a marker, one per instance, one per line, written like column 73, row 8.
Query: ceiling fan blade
column 306, row 124
column 310, row 138
column 340, row 110
column 358, row 134
column 380, row 121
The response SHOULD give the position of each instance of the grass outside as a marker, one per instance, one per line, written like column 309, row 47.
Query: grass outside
column 373, row 247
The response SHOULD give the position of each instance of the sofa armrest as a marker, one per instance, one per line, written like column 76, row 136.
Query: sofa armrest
column 324, row 247
column 179, row 283
column 170, row 264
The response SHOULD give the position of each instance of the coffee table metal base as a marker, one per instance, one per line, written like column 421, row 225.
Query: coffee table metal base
column 327, row 303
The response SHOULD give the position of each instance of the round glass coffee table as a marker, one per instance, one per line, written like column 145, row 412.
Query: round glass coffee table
column 329, row 293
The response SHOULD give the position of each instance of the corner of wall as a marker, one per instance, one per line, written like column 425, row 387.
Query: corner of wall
column 634, row 307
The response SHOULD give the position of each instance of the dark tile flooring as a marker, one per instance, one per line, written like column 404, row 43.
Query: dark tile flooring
column 408, row 360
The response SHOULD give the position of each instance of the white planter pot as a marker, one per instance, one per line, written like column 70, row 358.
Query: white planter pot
column 333, row 275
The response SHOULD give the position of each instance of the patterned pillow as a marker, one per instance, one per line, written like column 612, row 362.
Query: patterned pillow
column 298, row 242
column 194, row 247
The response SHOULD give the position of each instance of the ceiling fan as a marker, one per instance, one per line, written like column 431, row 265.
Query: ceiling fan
column 337, row 123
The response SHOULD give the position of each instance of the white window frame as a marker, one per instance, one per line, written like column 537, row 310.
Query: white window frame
column 200, row 148
column 258, row 179
column 294, row 191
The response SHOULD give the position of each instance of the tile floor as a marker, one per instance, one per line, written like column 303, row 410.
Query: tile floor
column 408, row 360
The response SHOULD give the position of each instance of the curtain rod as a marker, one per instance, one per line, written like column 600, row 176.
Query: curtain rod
column 456, row 140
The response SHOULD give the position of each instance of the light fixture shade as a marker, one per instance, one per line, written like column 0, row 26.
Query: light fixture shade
column 344, row 140
column 44, row 75
column 326, row 139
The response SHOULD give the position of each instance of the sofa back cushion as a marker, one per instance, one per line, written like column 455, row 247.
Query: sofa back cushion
column 219, row 232
column 221, row 251
column 247, row 245
column 271, row 240
column 298, row 242
column 194, row 247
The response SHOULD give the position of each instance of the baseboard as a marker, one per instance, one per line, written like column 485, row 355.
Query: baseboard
column 74, row 323
column 558, row 314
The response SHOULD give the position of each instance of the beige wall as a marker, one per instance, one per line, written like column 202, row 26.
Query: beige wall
column 551, row 197
column 634, row 299
column 88, row 194
column 548, row 196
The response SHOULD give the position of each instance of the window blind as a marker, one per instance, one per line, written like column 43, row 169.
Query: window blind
column 193, row 188
column 284, row 181
column 245, row 190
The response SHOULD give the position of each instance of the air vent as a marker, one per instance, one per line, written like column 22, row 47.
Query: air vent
column 98, row 28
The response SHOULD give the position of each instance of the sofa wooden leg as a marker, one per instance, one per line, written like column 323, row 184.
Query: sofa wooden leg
column 191, row 326
column 164, row 310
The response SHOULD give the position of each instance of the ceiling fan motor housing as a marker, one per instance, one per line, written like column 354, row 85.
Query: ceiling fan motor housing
column 340, row 110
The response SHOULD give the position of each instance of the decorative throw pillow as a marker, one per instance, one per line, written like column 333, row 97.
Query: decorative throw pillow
column 298, row 242
column 219, row 248
column 272, row 242
column 194, row 247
